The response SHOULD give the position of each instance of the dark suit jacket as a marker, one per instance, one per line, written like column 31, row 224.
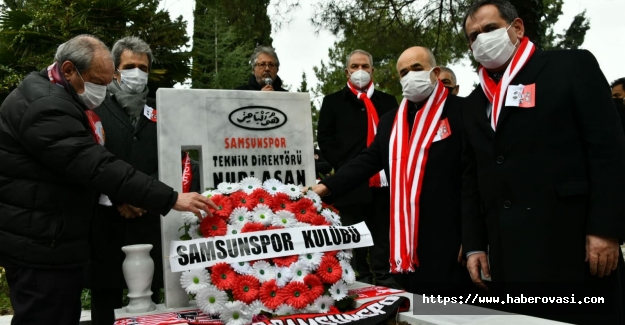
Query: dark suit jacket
column 549, row 176
column 439, row 222
column 342, row 132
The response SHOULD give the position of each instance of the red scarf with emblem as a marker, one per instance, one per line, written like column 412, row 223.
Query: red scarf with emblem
column 408, row 157
column 379, row 179
column 496, row 92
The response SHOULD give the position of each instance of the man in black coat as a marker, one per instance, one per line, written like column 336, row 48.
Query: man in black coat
column 434, row 261
column 544, row 182
column 345, row 128
column 265, row 67
column 54, row 166
column 130, row 136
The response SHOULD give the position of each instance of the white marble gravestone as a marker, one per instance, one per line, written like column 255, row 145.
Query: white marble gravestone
column 238, row 134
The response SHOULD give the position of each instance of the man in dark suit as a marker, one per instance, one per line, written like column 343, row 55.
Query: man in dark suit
column 425, row 137
column 347, row 125
column 265, row 67
column 544, row 182
column 128, row 116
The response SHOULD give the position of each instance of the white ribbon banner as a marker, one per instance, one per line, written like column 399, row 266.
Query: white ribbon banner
column 206, row 252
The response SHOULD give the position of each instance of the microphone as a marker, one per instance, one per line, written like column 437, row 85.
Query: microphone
column 268, row 81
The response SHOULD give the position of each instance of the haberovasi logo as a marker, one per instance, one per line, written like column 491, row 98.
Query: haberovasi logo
column 257, row 118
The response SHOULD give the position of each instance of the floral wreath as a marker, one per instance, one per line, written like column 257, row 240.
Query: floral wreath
column 239, row 292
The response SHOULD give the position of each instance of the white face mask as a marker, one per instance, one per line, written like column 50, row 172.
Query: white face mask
column 360, row 78
column 417, row 85
column 133, row 80
column 93, row 95
column 494, row 48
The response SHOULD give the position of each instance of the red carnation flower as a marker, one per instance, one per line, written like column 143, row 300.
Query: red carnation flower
column 280, row 201
column 224, row 206
column 240, row 199
column 252, row 226
column 330, row 253
column 246, row 289
column 296, row 294
column 317, row 220
column 303, row 209
column 270, row 294
column 260, row 196
column 330, row 269
column 223, row 276
column 315, row 286
column 213, row 226
column 285, row 261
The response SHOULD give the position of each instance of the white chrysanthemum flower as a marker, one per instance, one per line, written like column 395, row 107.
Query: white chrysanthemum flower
column 211, row 300
column 194, row 232
column 194, row 280
column 324, row 303
column 210, row 193
column 262, row 214
column 239, row 216
column 293, row 191
column 332, row 217
column 243, row 268
column 235, row 313
column 189, row 218
column 299, row 271
column 234, row 229
column 249, row 184
column 228, row 188
column 263, row 271
column 345, row 255
column 311, row 260
column 311, row 309
column 316, row 199
column 285, row 309
column 284, row 218
column 301, row 224
column 338, row 290
column 349, row 276
column 272, row 186
column 283, row 276
column 257, row 306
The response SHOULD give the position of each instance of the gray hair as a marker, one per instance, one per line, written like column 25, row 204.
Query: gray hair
column 505, row 8
column 266, row 50
column 349, row 57
column 451, row 72
column 80, row 50
column 134, row 45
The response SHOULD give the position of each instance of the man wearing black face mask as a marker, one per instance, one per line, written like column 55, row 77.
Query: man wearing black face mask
column 418, row 146
column 54, row 166
column 544, row 180
column 347, row 124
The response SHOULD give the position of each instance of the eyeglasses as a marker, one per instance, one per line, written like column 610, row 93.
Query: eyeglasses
column 269, row 65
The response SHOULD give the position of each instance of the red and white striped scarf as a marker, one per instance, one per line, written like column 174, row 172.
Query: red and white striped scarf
column 407, row 161
column 496, row 92
column 379, row 179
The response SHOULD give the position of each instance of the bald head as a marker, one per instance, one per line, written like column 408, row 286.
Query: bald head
column 416, row 58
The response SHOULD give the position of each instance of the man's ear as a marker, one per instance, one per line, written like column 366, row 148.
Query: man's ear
column 437, row 71
column 457, row 89
column 347, row 74
column 68, row 69
column 372, row 71
column 519, row 27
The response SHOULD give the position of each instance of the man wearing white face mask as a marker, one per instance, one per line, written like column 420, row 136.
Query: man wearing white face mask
column 544, row 181
column 418, row 146
column 347, row 124
column 54, row 166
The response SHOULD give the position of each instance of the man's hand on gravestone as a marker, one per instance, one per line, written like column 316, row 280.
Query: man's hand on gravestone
column 194, row 202
column 601, row 254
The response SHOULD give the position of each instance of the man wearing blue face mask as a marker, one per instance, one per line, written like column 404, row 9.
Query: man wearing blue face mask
column 543, row 188
column 418, row 147
column 53, row 168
